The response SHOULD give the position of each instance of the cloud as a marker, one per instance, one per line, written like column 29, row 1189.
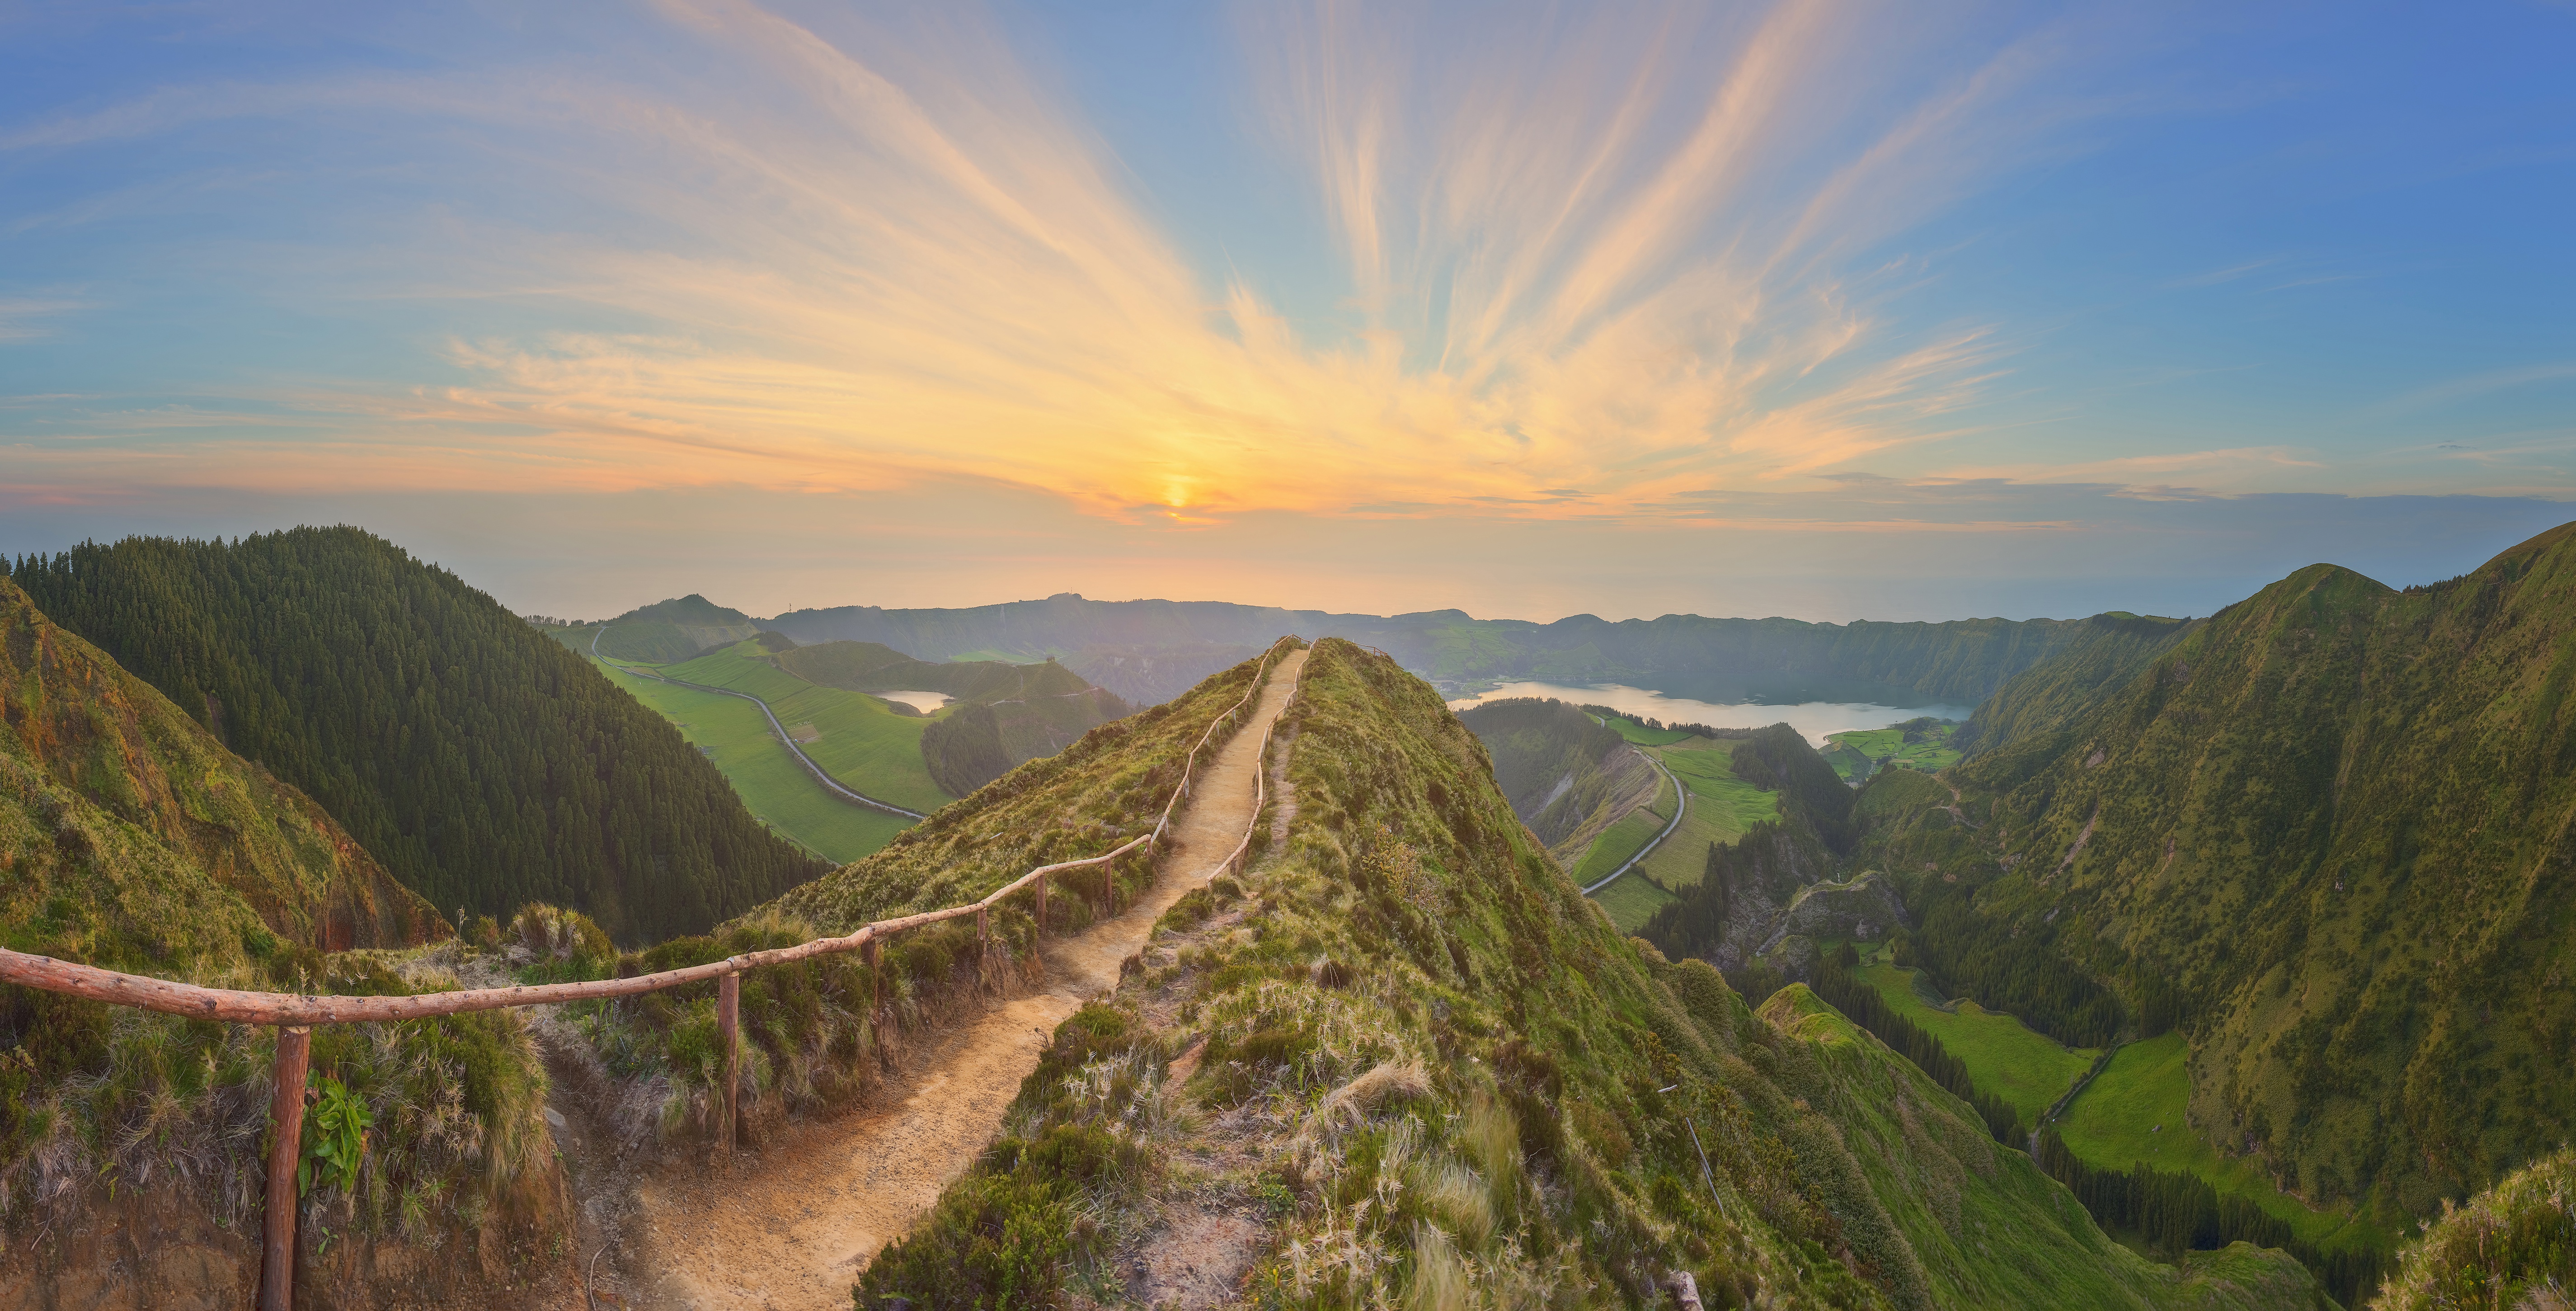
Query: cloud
column 1616, row 249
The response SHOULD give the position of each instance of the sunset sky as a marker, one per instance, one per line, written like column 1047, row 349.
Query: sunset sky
column 1827, row 310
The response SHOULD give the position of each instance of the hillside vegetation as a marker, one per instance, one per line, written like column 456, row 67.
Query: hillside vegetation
column 1567, row 775
column 1137, row 647
column 131, row 839
column 666, row 631
column 2324, row 834
column 1403, row 1060
column 484, row 764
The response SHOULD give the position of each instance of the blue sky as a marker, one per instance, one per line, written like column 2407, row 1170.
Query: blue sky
column 1815, row 309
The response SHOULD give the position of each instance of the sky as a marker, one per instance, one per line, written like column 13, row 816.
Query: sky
column 1826, row 310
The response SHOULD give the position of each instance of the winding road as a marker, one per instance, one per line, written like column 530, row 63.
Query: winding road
column 1681, row 807
column 774, row 726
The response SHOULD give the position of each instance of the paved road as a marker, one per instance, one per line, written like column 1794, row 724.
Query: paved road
column 1681, row 807
column 780, row 729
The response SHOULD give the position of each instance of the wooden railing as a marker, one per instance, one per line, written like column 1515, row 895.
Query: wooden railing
column 294, row 1014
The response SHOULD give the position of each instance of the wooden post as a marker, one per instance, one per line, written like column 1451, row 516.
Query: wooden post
column 286, row 1144
column 870, row 953
column 983, row 930
column 729, row 1031
column 1042, row 882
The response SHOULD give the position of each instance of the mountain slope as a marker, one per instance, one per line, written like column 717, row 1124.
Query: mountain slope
column 1685, row 655
column 2329, row 832
column 1566, row 775
column 484, row 764
column 668, row 630
column 131, row 839
column 1404, row 1059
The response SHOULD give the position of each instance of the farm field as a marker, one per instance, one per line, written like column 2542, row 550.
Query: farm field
column 1643, row 736
column 2004, row 1056
column 1632, row 901
column 2113, row 1124
column 770, row 782
column 1722, row 807
column 1861, row 752
column 865, row 745
column 1621, row 840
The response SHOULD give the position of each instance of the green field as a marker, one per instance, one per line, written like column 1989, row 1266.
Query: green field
column 1632, row 901
column 2004, row 1056
column 2147, row 1084
column 1644, row 736
column 868, row 747
column 1863, row 751
column 1722, row 807
column 1622, row 839
column 769, row 780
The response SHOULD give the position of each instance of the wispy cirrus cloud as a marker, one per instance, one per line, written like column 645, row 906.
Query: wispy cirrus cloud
column 1630, row 249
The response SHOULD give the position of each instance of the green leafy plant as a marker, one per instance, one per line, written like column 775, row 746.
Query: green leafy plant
column 335, row 1138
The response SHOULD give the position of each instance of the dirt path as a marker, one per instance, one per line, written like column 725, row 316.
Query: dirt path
column 793, row 1225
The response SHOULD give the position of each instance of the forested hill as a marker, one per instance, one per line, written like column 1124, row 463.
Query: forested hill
column 483, row 763
column 2331, row 833
column 1686, row 655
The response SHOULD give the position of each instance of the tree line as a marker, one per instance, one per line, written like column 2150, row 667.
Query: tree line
column 1861, row 1004
column 486, row 765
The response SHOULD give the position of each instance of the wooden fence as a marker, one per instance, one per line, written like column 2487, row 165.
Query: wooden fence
column 294, row 1014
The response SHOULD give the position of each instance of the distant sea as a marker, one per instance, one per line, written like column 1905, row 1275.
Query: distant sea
column 1815, row 719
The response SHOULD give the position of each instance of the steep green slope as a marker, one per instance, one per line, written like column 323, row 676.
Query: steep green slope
column 1405, row 1061
column 131, row 839
column 483, row 763
column 668, row 630
column 2095, row 656
column 2327, row 832
column 1560, row 768
column 2511, row 1248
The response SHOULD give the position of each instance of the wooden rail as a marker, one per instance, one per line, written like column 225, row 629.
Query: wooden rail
column 294, row 1013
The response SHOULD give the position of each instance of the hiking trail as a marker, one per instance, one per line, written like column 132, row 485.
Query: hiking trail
column 791, row 1225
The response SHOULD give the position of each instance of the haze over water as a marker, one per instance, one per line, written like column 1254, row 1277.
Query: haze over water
column 1815, row 719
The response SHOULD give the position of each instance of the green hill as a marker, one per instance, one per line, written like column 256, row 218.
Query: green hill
column 131, row 839
column 484, row 764
column 1404, row 1061
column 2323, row 834
column 1566, row 774
column 871, row 748
column 668, row 630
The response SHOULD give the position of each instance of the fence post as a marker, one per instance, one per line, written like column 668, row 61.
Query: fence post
column 286, row 1143
column 983, row 931
column 729, row 1031
column 1041, row 916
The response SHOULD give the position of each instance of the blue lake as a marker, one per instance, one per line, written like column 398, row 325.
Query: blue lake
column 1815, row 719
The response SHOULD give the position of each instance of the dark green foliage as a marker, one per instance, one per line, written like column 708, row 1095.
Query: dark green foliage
column 2008, row 967
column 1553, row 761
column 2325, row 832
column 669, row 631
column 1862, row 1005
column 2172, row 1212
column 484, row 764
column 963, row 750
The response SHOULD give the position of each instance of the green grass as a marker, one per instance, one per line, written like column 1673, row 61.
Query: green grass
column 1886, row 748
column 2004, row 1056
column 1632, row 901
column 1622, row 839
column 769, row 781
column 2149, row 1084
column 1644, row 736
column 868, row 747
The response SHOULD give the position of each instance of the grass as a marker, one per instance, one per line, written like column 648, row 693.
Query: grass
column 2149, row 1084
column 1632, row 901
column 2004, row 1056
column 1644, row 736
column 1622, row 839
column 770, row 782
column 1722, row 808
column 1866, row 749
column 866, row 746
